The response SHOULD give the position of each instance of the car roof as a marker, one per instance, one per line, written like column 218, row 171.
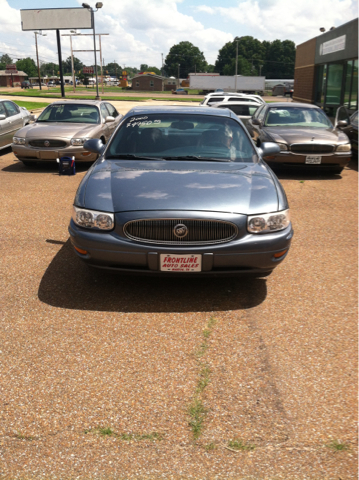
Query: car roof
column 250, row 104
column 292, row 104
column 78, row 102
column 139, row 110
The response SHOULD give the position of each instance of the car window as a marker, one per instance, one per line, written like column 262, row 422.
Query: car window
column 112, row 110
column 354, row 119
column 297, row 116
column 70, row 113
column 11, row 108
column 261, row 114
column 104, row 111
column 215, row 99
column 179, row 136
column 2, row 109
column 244, row 110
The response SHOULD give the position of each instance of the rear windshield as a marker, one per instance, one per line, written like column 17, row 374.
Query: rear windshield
column 298, row 117
column 70, row 113
column 178, row 137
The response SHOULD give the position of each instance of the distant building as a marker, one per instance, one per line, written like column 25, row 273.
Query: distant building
column 148, row 82
column 326, row 69
column 11, row 80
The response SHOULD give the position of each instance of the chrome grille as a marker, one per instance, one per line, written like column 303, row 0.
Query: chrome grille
column 311, row 148
column 161, row 231
column 52, row 143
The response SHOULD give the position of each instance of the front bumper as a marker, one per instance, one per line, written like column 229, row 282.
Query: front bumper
column 28, row 153
column 248, row 254
column 287, row 158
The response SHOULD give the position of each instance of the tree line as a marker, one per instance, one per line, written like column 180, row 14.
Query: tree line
column 270, row 59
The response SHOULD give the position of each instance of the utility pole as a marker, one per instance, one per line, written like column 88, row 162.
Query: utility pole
column 235, row 81
column 37, row 55
column 162, row 65
column 178, row 75
column 99, row 37
column 72, row 66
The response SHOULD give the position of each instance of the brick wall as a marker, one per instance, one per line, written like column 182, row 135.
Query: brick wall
column 304, row 73
column 145, row 83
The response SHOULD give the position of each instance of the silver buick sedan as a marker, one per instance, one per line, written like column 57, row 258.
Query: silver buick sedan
column 12, row 117
column 181, row 191
column 62, row 129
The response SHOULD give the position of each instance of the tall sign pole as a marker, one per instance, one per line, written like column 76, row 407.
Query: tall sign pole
column 60, row 63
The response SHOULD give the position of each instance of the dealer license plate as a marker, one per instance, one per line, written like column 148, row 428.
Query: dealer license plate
column 180, row 263
column 313, row 159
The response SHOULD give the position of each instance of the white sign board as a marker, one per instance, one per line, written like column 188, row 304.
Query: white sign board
column 56, row 19
column 332, row 46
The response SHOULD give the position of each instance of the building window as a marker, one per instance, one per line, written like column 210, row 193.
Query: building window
column 137, row 84
column 152, row 83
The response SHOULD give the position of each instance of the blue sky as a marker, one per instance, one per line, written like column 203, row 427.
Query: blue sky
column 141, row 31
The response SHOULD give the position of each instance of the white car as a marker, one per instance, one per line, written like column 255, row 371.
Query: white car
column 12, row 118
column 243, row 110
column 210, row 99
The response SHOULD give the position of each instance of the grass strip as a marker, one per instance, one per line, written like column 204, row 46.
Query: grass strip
column 31, row 105
column 197, row 411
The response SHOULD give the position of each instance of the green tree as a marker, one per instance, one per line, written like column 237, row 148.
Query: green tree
column 49, row 69
column 67, row 67
column 113, row 69
column 277, row 58
column 5, row 59
column 143, row 67
column 211, row 68
column 28, row 66
column 188, row 56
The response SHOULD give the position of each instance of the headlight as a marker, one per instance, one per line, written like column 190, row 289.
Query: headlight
column 282, row 146
column 268, row 222
column 18, row 140
column 78, row 141
column 344, row 148
column 91, row 219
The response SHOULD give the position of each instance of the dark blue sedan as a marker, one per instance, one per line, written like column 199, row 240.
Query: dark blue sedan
column 181, row 190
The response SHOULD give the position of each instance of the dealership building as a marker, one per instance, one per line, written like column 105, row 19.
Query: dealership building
column 326, row 69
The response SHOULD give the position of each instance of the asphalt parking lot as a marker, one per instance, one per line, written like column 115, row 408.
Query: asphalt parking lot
column 101, row 374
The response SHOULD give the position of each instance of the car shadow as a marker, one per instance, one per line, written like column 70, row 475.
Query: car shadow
column 42, row 167
column 69, row 283
column 304, row 174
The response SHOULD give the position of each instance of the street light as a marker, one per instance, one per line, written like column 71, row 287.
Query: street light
column 93, row 10
column 37, row 54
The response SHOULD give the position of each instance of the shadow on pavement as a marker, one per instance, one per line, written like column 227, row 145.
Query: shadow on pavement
column 42, row 167
column 69, row 283
column 304, row 174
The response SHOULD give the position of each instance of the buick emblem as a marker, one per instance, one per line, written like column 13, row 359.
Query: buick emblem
column 46, row 143
column 180, row 230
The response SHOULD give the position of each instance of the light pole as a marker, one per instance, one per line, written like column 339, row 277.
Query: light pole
column 178, row 75
column 37, row 54
column 235, row 80
column 93, row 10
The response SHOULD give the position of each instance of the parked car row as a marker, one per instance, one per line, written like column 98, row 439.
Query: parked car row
column 180, row 190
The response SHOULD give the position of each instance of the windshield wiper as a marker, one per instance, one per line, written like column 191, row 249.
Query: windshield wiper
column 195, row 157
column 130, row 156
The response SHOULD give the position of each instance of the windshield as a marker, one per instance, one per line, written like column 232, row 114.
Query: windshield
column 70, row 113
column 182, row 137
column 297, row 117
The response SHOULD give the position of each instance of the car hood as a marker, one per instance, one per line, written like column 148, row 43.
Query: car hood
column 120, row 186
column 287, row 134
column 56, row 129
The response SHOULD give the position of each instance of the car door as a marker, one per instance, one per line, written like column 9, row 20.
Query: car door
column 255, row 130
column 114, row 113
column 107, row 128
column 14, row 116
column 6, row 131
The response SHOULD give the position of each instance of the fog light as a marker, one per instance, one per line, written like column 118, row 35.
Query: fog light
column 83, row 252
column 280, row 254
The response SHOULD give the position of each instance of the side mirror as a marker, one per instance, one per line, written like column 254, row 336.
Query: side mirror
column 342, row 124
column 94, row 145
column 257, row 122
column 33, row 118
column 2, row 117
column 268, row 148
column 109, row 119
